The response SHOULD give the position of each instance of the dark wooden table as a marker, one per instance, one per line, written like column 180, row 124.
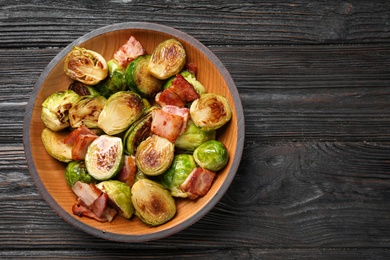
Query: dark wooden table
column 314, row 79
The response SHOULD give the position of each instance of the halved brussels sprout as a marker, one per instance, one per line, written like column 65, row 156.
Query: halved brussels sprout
column 120, row 111
column 86, row 66
column 86, row 111
column 210, row 112
column 82, row 89
column 181, row 167
column 138, row 132
column 104, row 157
column 211, row 155
column 140, row 80
column 77, row 171
column 55, row 146
column 55, row 109
column 114, row 82
column 120, row 194
column 153, row 204
column 199, row 88
column 193, row 137
column 154, row 155
column 168, row 59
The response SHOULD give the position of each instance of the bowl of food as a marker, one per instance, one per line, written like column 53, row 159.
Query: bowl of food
column 134, row 132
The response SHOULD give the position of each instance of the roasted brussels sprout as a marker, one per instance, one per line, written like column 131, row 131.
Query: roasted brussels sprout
column 86, row 66
column 138, row 132
column 180, row 169
column 114, row 82
column 120, row 111
column 140, row 80
column 211, row 155
column 86, row 111
column 120, row 194
column 82, row 89
column 193, row 137
column 167, row 59
column 104, row 157
column 55, row 146
column 153, row 204
column 154, row 155
column 210, row 111
column 55, row 109
column 77, row 171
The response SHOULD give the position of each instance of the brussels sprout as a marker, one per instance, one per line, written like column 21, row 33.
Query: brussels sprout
column 168, row 59
column 55, row 146
column 104, row 157
column 138, row 132
column 181, row 167
column 86, row 111
column 114, row 82
column 82, row 89
column 120, row 194
column 140, row 80
column 153, row 204
column 77, row 171
column 199, row 88
column 210, row 111
column 55, row 109
column 193, row 137
column 120, row 111
column 211, row 155
column 86, row 66
column 154, row 155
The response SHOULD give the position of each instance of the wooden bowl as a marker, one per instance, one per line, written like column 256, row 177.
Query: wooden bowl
column 48, row 173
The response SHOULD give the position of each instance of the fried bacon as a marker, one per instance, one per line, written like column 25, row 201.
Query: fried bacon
column 128, row 171
column 169, row 97
column 129, row 51
column 184, row 112
column 198, row 183
column 166, row 125
column 184, row 89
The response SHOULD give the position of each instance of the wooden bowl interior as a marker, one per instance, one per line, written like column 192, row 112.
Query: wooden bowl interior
column 51, row 171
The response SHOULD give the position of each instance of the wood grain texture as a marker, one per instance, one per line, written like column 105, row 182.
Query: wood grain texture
column 313, row 78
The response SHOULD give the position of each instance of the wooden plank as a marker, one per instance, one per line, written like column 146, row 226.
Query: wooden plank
column 55, row 23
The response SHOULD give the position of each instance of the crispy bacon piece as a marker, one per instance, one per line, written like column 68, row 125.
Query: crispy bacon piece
column 100, row 204
column 129, row 51
column 166, row 125
column 80, row 209
column 183, row 88
column 198, row 183
column 128, row 171
column 191, row 67
column 88, row 193
column 80, row 146
column 169, row 97
column 82, row 130
column 184, row 112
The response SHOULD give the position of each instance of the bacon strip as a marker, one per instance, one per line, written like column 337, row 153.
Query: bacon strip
column 80, row 147
column 198, row 183
column 129, row 51
column 184, row 112
column 169, row 97
column 184, row 89
column 128, row 171
column 166, row 125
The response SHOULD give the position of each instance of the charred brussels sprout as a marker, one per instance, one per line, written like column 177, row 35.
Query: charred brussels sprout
column 55, row 146
column 55, row 109
column 154, row 155
column 153, row 204
column 86, row 111
column 115, row 81
column 138, row 131
column 82, row 89
column 181, row 167
column 120, row 194
column 104, row 157
column 167, row 59
column 211, row 155
column 210, row 111
column 193, row 137
column 77, row 171
column 120, row 111
column 86, row 66
column 140, row 80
